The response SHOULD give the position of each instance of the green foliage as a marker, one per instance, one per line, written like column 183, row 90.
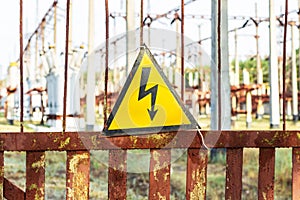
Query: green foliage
column 251, row 66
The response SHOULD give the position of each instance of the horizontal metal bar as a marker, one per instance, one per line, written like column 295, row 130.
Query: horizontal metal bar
column 58, row 141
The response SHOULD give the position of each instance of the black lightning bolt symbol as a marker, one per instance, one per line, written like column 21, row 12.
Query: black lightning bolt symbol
column 143, row 92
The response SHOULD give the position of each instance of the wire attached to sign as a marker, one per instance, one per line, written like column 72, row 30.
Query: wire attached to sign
column 200, row 135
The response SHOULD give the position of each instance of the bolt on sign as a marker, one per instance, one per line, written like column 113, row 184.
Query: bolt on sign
column 148, row 103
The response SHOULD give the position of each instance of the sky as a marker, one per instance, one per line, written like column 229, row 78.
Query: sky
column 35, row 9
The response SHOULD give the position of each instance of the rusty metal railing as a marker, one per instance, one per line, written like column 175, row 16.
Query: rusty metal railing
column 78, row 144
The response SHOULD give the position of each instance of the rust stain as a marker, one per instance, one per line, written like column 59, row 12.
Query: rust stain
column 161, row 197
column 39, row 191
column 157, row 166
column 198, row 191
column 39, row 164
column 39, row 197
column 298, row 136
column 272, row 141
column 79, row 188
column 94, row 140
column 133, row 140
column 64, row 143
column 160, row 140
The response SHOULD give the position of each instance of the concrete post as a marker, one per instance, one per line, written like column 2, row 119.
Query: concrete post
column 273, row 70
column 294, row 74
column 213, row 74
column 260, row 108
column 90, row 97
column 131, row 39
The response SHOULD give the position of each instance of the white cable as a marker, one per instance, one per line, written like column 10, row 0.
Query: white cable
column 202, row 138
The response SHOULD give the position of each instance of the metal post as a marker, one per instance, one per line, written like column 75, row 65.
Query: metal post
column 273, row 70
column 182, row 51
column 219, row 64
column 66, row 67
column 70, row 25
column 299, row 41
column 284, row 63
column 21, row 68
column 90, row 97
column 141, row 23
column 178, row 52
column 106, row 60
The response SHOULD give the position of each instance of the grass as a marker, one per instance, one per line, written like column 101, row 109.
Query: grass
column 137, row 180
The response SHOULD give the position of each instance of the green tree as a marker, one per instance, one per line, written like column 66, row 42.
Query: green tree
column 250, row 65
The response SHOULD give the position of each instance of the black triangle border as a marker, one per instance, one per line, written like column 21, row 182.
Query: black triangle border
column 160, row 129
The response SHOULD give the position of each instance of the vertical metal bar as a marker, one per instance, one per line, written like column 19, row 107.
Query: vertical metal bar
column 182, row 51
column 284, row 63
column 78, row 171
column 299, row 41
column 196, row 174
column 21, row 68
column 234, row 168
column 106, row 59
column 159, row 174
column 296, row 173
column 1, row 174
column 142, row 24
column 219, row 64
column 35, row 175
column 66, row 66
column 266, row 173
column 117, row 174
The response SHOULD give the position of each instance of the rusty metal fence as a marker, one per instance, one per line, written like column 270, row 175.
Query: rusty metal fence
column 78, row 144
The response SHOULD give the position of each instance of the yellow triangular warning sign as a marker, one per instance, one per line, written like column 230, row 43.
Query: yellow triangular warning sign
column 148, row 102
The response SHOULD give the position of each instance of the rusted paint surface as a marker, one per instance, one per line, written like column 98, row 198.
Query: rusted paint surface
column 234, row 168
column 76, row 141
column 266, row 174
column 1, row 173
column 12, row 192
column 117, row 174
column 196, row 174
column 78, row 170
column 35, row 175
column 296, row 174
column 159, row 174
